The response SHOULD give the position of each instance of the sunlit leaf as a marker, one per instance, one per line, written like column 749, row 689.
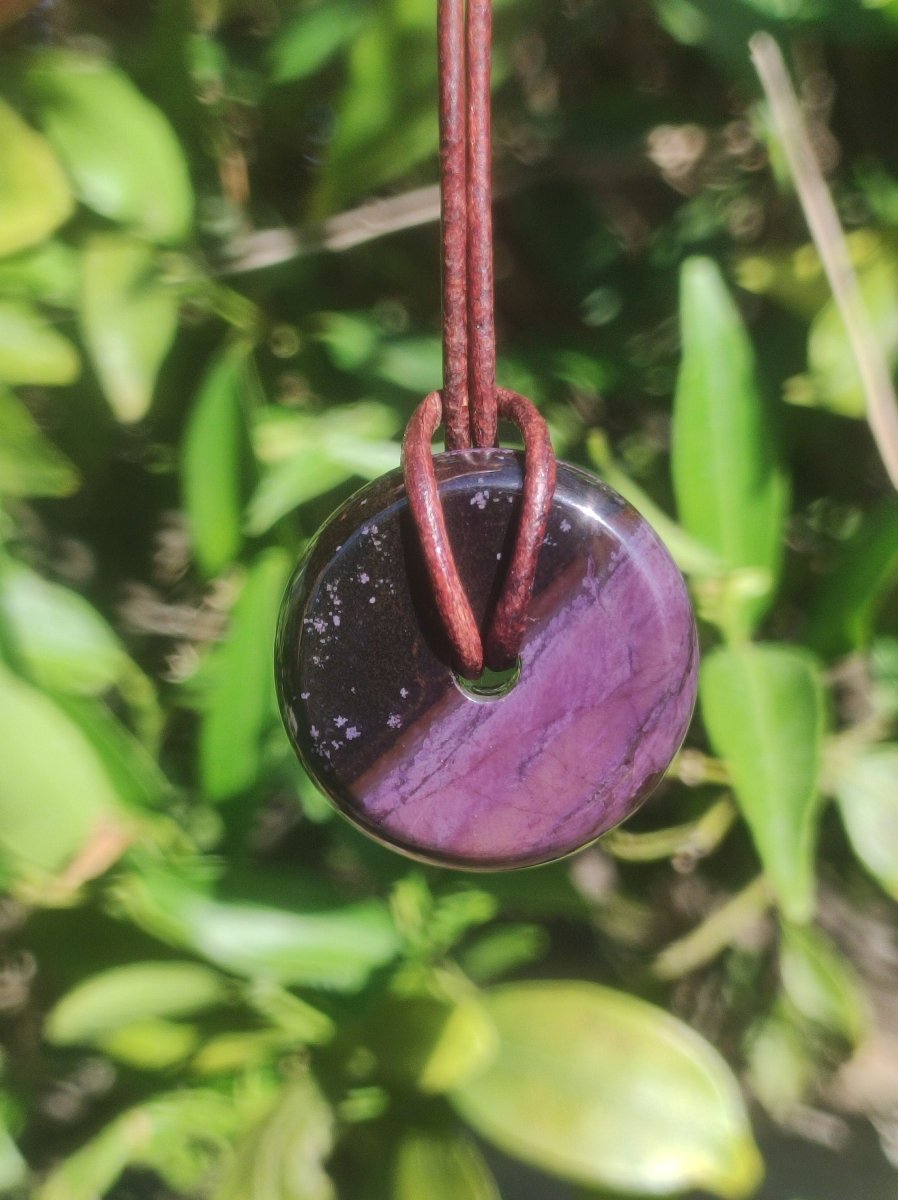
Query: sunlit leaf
column 306, row 456
column 763, row 707
column 441, row 1164
column 867, row 794
column 239, row 708
column 780, row 1067
column 821, row 984
column 120, row 151
column 175, row 1132
column 731, row 494
column 32, row 350
column 56, row 635
column 216, row 457
column 122, row 995
column 35, row 197
column 283, row 1157
column 279, row 927
column 604, row 1089
column 50, row 272
column 13, row 1168
column 54, row 789
column 313, row 36
column 152, row 1044
column 831, row 357
column 30, row 465
column 129, row 318
column 843, row 607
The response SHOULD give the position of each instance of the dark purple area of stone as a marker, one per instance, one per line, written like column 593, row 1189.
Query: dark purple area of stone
column 606, row 691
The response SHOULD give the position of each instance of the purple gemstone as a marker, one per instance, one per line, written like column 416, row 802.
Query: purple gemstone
column 607, row 680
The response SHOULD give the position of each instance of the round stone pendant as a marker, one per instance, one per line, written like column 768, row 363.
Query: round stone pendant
column 416, row 757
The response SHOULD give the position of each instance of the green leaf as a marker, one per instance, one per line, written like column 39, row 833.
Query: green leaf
column 54, row 790
column 136, row 775
column 441, row 1165
column 128, row 318
column 428, row 1043
column 35, row 198
column 831, row 357
column 279, row 928
column 283, row 1157
column 136, row 992
column 216, row 455
column 118, row 148
column 763, row 707
column 152, row 1044
column 820, row 983
column 843, row 608
column 240, row 706
column 313, row 36
column 59, row 639
column 51, row 272
column 177, row 1133
column 31, row 350
column 780, row 1069
column 30, row 465
column 604, row 1089
column 868, row 802
column 731, row 494
column 306, row 455
column 13, row 1168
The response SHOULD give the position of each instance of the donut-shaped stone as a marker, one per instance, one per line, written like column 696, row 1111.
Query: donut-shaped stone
column 607, row 682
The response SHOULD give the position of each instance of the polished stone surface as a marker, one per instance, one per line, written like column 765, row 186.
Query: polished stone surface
column 606, row 690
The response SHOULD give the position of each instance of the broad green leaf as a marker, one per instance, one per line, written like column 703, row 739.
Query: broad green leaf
column 279, row 928
column 821, row 984
column 763, row 707
column 283, row 1157
column 604, row 1089
column 500, row 951
column 50, row 272
column 313, row 36
column 54, row 790
column 136, row 992
column 30, row 465
column 415, row 364
column 843, row 606
column 867, row 794
column 32, row 350
column 118, row 148
column 431, row 1044
column 305, row 456
column 731, row 494
column 137, row 777
column 831, row 358
column 60, row 639
column 35, row 197
column 129, row 318
column 216, row 456
column 239, row 707
column 440, row 1164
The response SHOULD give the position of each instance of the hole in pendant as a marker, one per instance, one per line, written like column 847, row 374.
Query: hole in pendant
column 491, row 685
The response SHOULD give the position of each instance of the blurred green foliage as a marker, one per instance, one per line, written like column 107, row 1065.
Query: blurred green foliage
column 210, row 333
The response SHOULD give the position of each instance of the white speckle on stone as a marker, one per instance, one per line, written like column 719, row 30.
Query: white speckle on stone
column 336, row 745
column 480, row 499
column 304, row 695
column 314, row 732
column 499, row 556
column 394, row 721
column 565, row 526
column 372, row 599
column 339, row 722
column 352, row 689
column 403, row 692
column 336, row 618
column 366, row 529
column 352, row 733
column 364, row 577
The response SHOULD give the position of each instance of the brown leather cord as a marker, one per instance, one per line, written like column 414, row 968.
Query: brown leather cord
column 470, row 404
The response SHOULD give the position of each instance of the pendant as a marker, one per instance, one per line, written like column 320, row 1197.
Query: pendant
column 479, row 778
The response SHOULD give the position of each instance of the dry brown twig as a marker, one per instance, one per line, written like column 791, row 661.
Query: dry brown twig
column 829, row 238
